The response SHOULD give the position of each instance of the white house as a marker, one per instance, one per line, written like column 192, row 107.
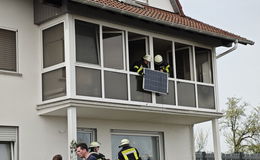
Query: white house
column 66, row 74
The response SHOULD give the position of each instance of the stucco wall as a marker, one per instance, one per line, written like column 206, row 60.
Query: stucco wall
column 41, row 137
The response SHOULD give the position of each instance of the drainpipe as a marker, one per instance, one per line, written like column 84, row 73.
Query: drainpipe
column 228, row 51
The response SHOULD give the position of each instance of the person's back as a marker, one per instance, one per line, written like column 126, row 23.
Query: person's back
column 127, row 152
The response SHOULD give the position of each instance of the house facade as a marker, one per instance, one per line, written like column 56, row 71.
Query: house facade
column 66, row 75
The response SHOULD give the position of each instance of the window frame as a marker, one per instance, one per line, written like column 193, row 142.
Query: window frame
column 71, row 63
column 16, row 72
column 14, row 142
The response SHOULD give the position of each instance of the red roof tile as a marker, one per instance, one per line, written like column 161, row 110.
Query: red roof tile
column 165, row 17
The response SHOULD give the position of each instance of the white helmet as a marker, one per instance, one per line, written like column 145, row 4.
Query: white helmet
column 124, row 142
column 94, row 144
column 158, row 59
column 147, row 58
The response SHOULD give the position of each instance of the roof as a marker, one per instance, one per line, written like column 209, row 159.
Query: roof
column 176, row 20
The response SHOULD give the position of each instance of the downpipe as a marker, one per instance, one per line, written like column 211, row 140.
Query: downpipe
column 228, row 51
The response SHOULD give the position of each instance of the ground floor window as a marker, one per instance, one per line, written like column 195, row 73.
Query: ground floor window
column 149, row 144
column 8, row 143
column 86, row 135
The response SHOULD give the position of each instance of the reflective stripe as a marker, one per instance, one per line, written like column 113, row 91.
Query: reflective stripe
column 129, row 151
column 167, row 68
column 140, row 69
column 136, row 67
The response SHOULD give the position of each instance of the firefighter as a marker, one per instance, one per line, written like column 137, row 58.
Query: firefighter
column 127, row 152
column 94, row 151
column 141, row 64
column 160, row 65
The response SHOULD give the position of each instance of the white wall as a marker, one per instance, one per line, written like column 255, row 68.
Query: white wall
column 19, row 94
column 162, row 4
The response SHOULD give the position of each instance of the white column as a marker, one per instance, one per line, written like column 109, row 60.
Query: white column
column 72, row 131
column 216, row 139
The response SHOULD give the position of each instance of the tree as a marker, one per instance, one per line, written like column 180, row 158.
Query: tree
column 201, row 139
column 242, row 128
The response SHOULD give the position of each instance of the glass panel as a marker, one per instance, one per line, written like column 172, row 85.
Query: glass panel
column 206, row 97
column 203, row 65
column 138, row 46
column 7, row 50
column 147, row 146
column 112, row 82
column 86, row 135
column 169, row 98
column 88, row 82
column 87, row 42
column 183, row 61
column 113, row 48
column 186, row 94
column 5, row 151
column 54, row 84
column 53, row 45
column 137, row 92
column 163, row 48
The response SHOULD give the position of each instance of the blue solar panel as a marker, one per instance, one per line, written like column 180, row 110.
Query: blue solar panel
column 155, row 81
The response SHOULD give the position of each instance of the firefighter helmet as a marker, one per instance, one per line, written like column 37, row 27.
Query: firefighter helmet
column 158, row 59
column 147, row 58
column 94, row 144
column 124, row 142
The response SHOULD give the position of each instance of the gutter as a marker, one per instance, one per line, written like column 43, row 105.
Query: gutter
column 228, row 51
column 105, row 7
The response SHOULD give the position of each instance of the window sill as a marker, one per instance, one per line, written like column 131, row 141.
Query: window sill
column 11, row 73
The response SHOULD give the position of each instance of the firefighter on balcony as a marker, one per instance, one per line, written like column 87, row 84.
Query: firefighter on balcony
column 127, row 152
column 94, row 151
column 141, row 64
column 161, row 65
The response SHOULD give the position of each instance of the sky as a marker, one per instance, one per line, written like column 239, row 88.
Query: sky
column 238, row 72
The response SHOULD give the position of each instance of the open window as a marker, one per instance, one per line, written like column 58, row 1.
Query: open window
column 184, row 61
column 203, row 65
column 113, row 48
column 138, row 47
column 164, row 48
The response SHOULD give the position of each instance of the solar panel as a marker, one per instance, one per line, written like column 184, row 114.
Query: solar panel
column 155, row 81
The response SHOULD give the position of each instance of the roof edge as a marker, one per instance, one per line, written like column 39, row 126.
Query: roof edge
column 179, row 26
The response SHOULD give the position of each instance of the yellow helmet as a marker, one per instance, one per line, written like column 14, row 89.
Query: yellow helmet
column 94, row 144
column 158, row 59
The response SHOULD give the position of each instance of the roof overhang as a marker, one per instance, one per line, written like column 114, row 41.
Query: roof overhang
column 126, row 112
column 161, row 22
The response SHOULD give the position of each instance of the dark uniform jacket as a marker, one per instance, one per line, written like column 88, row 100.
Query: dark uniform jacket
column 139, row 66
column 99, row 156
column 164, row 67
column 128, row 153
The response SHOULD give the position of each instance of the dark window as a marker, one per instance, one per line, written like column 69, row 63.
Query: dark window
column 169, row 98
column 115, row 85
column 53, row 45
column 88, row 82
column 54, row 84
column 137, row 92
column 7, row 50
column 206, row 97
column 186, row 94
column 87, row 42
